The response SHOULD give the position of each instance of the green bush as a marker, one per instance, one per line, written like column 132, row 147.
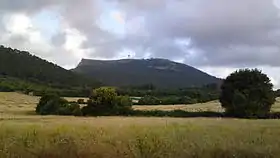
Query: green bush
column 122, row 105
column 51, row 104
column 70, row 109
column 247, row 93
column 149, row 100
column 185, row 97
column 104, row 96
column 104, row 101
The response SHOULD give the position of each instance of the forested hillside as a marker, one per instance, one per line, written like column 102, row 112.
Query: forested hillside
column 162, row 73
column 19, row 70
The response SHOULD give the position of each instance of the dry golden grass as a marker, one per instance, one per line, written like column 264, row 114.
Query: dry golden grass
column 138, row 137
column 210, row 106
column 20, row 104
column 24, row 134
column 75, row 98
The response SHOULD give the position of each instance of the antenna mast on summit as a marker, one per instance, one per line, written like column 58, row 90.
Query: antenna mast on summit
column 128, row 56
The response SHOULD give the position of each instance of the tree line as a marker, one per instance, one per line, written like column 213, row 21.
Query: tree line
column 245, row 93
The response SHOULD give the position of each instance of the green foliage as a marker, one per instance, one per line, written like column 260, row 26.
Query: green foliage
column 51, row 104
column 247, row 93
column 175, row 100
column 124, row 101
column 101, row 101
column 70, row 109
column 193, row 95
column 122, row 105
column 104, row 96
column 105, row 101
column 149, row 100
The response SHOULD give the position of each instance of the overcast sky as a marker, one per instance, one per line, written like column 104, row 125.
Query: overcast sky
column 217, row 36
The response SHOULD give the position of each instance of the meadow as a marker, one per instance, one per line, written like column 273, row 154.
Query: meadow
column 24, row 134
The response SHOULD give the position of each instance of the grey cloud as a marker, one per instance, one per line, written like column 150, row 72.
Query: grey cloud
column 59, row 39
column 18, row 41
column 25, row 6
column 76, row 14
column 222, row 32
column 2, row 27
column 226, row 32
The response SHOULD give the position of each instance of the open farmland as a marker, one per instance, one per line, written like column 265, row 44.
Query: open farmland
column 210, row 106
column 24, row 134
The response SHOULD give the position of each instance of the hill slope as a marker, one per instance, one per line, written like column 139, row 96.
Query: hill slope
column 133, row 72
column 21, row 68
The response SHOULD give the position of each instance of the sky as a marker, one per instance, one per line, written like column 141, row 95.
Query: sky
column 217, row 36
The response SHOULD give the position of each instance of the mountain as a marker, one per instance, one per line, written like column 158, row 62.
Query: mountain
column 162, row 73
column 21, row 70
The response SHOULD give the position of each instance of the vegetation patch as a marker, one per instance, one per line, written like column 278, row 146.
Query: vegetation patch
column 247, row 93
column 54, row 105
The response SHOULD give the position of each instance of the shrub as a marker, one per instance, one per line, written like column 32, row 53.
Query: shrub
column 189, row 100
column 247, row 93
column 169, row 100
column 122, row 105
column 51, row 104
column 104, row 101
column 104, row 96
column 70, row 109
column 149, row 100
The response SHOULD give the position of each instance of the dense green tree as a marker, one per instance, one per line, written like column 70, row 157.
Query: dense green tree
column 247, row 93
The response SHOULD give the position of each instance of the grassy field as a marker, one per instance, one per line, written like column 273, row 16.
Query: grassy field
column 24, row 134
column 210, row 106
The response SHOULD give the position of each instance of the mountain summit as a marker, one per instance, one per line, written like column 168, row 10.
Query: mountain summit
column 162, row 73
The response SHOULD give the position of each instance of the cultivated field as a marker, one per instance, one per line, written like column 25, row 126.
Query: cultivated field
column 24, row 134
